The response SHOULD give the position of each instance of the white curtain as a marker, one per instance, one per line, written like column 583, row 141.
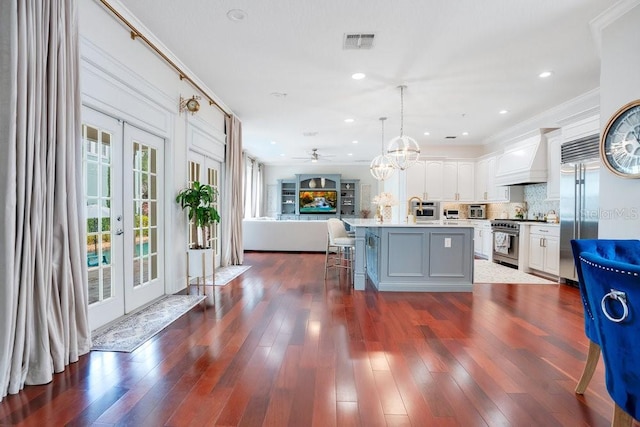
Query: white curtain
column 252, row 187
column 232, row 249
column 43, row 298
column 248, row 163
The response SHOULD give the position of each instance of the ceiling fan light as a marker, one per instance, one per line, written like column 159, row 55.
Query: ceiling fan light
column 404, row 152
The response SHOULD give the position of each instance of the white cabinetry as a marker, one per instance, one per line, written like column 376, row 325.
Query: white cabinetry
column 458, row 181
column 482, row 239
column 486, row 189
column 416, row 180
column 434, row 178
column 554, row 145
column 426, row 180
column 544, row 248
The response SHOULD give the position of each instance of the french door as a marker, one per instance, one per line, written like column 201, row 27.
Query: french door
column 124, row 211
column 206, row 170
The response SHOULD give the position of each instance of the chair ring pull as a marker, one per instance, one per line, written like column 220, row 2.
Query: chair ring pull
column 616, row 296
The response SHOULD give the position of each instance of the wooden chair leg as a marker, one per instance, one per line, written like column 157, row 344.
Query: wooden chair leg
column 589, row 367
column 621, row 418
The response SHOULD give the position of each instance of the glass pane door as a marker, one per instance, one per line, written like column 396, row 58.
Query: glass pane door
column 101, row 147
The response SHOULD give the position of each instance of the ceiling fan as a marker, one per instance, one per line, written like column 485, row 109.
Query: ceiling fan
column 314, row 156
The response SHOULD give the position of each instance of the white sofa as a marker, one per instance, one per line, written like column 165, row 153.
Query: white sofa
column 284, row 236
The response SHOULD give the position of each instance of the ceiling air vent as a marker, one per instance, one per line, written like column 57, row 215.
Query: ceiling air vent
column 358, row 41
column 450, row 137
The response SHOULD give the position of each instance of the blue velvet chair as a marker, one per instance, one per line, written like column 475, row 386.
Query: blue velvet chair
column 627, row 251
column 613, row 290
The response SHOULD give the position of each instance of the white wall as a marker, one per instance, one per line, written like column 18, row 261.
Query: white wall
column 124, row 79
column 620, row 84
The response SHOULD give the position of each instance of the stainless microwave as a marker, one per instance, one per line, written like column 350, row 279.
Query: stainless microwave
column 426, row 211
column 477, row 212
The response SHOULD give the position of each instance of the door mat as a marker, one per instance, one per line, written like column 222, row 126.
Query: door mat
column 485, row 271
column 224, row 275
column 135, row 329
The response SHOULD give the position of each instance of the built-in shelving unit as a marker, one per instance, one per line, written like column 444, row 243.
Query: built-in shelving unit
column 288, row 199
column 349, row 200
column 317, row 197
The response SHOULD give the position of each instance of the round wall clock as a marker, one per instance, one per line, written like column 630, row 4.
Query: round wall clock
column 620, row 143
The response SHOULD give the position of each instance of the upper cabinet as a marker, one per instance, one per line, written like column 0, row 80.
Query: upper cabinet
column 458, row 181
column 439, row 180
column 486, row 189
column 424, row 179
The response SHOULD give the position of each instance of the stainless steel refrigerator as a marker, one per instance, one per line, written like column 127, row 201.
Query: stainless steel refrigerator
column 579, row 208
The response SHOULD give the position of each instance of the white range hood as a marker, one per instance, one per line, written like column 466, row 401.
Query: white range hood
column 524, row 162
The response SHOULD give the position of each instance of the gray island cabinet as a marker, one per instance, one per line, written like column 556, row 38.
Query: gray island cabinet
column 435, row 256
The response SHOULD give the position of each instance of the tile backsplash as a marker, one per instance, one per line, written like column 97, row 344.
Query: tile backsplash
column 535, row 202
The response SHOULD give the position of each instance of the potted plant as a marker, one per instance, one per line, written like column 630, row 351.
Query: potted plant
column 198, row 200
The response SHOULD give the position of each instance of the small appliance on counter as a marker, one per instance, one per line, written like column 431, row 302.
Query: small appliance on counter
column 452, row 213
column 477, row 212
column 425, row 211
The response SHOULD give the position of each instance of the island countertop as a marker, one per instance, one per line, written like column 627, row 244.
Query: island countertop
column 369, row 222
column 434, row 256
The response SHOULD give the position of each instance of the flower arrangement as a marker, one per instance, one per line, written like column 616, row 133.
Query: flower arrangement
column 385, row 199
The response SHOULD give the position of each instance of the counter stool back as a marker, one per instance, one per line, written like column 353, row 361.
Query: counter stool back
column 340, row 248
column 613, row 289
column 627, row 251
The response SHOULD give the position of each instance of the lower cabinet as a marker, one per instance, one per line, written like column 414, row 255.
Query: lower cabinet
column 483, row 239
column 544, row 248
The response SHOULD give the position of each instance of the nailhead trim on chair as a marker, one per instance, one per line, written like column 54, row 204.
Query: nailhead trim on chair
column 608, row 268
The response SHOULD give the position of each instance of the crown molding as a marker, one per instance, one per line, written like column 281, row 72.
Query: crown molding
column 607, row 17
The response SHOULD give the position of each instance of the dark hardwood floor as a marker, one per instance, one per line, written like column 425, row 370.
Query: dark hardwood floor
column 282, row 349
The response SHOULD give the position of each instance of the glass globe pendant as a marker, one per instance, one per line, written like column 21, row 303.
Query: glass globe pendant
column 381, row 166
column 403, row 150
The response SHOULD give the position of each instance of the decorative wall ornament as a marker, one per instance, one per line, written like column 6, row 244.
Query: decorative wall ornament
column 190, row 104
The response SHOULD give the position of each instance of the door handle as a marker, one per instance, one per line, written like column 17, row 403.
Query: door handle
column 119, row 232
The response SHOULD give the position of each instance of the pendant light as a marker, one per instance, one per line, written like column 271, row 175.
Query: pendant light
column 381, row 166
column 403, row 150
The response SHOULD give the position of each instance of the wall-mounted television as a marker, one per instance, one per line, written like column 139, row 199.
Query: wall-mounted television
column 318, row 202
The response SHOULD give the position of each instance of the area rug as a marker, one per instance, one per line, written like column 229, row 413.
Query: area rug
column 490, row 272
column 226, row 274
column 135, row 329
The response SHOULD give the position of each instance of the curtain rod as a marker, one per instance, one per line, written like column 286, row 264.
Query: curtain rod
column 183, row 76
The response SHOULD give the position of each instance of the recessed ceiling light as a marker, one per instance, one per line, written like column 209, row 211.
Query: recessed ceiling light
column 236, row 15
column 465, row 133
column 349, row 154
column 273, row 143
column 281, row 154
column 358, row 76
column 354, row 142
column 427, row 133
column 545, row 74
column 349, row 120
column 503, row 111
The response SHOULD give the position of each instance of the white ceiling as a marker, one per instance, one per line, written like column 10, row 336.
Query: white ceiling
column 462, row 62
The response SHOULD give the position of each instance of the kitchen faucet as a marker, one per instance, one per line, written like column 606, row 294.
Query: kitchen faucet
column 410, row 218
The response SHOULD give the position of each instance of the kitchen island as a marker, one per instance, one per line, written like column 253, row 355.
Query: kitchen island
column 434, row 256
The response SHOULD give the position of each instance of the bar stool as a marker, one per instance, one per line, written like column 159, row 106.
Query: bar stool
column 340, row 248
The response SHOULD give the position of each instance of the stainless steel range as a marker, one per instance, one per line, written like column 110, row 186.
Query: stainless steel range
column 506, row 234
